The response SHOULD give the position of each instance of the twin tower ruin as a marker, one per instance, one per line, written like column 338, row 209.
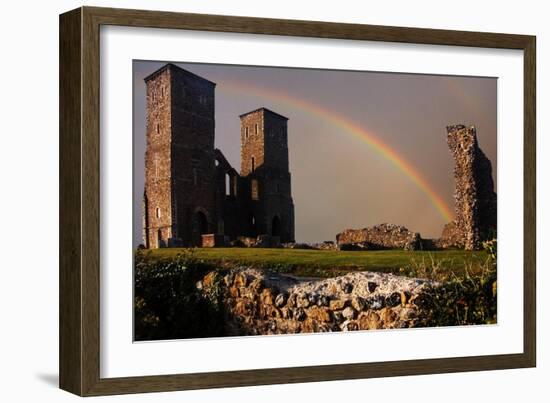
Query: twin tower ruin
column 193, row 196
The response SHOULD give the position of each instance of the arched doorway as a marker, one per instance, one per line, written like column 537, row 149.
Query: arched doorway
column 160, row 242
column 202, row 223
column 276, row 226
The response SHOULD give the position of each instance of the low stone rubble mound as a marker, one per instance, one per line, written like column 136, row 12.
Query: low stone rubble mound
column 261, row 241
column 297, row 245
column 326, row 245
column 382, row 236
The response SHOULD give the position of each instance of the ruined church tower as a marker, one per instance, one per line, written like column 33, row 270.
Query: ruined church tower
column 180, row 195
column 265, row 165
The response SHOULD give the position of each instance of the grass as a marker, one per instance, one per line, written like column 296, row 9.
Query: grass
column 323, row 263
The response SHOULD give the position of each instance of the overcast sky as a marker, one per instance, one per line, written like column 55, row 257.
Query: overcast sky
column 338, row 180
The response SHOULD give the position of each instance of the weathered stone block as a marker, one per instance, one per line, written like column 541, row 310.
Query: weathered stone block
column 266, row 297
column 369, row 320
column 319, row 314
column 338, row 304
column 214, row 241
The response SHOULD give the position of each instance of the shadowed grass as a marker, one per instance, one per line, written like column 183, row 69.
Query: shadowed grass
column 323, row 263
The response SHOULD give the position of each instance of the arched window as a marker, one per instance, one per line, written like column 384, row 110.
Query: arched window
column 158, row 212
column 227, row 185
column 253, row 164
column 255, row 128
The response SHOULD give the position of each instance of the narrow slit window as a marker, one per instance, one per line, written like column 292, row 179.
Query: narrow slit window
column 195, row 177
column 255, row 193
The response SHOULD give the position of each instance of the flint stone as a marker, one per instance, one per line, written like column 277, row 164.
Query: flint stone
column 299, row 314
column 372, row 286
column 394, row 299
column 358, row 303
column 281, row 299
column 347, row 288
column 376, row 302
column 302, row 301
column 323, row 300
column 349, row 313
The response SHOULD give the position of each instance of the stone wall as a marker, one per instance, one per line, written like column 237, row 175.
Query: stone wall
column 260, row 303
column 383, row 236
column 475, row 199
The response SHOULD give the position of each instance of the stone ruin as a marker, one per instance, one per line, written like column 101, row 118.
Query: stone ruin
column 382, row 236
column 475, row 199
column 475, row 206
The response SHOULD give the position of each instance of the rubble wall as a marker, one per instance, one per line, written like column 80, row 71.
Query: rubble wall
column 259, row 303
column 475, row 199
column 383, row 236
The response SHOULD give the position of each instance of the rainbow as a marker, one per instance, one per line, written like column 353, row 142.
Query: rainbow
column 348, row 126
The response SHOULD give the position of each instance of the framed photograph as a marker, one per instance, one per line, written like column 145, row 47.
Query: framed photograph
column 249, row 201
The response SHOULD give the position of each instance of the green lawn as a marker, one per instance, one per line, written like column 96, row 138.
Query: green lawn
column 321, row 263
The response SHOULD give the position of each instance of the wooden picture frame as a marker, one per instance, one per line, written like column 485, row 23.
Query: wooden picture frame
column 79, row 201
